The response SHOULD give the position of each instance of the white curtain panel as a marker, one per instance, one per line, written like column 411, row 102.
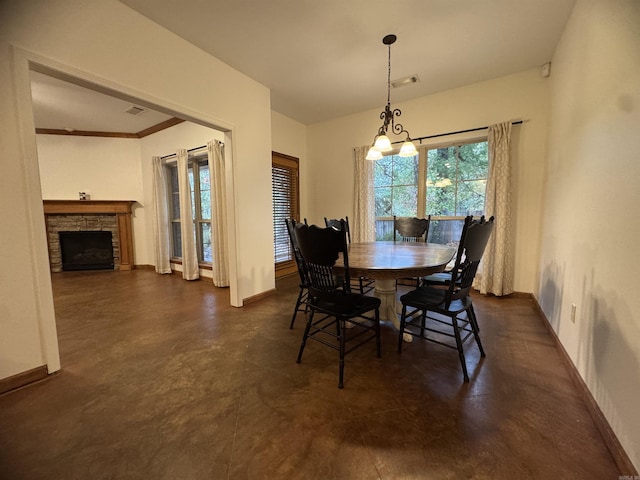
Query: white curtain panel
column 220, row 267
column 497, row 268
column 363, row 227
column 190, row 269
column 161, row 225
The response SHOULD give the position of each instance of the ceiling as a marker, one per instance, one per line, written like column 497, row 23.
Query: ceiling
column 325, row 59
column 61, row 105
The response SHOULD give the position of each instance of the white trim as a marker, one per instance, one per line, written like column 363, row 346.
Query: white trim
column 36, row 230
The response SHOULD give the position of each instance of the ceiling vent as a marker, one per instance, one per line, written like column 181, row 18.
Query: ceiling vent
column 401, row 82
column 133, row 110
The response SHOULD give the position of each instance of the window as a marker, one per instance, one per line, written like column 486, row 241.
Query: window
column 447, row 183
column 200, row 184
column 286, row 204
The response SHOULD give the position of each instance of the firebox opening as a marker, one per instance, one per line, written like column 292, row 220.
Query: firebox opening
column 86, row 250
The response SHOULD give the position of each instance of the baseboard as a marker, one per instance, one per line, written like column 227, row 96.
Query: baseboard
column 22, row 379
column 144, row 267
column 610, row 439
column 258, row 297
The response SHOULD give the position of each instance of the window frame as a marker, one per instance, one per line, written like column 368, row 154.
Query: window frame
column 423, row 166
column 195, row 161
column 280, row 235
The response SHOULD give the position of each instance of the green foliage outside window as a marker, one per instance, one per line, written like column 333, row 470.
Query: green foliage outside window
column 453, row 185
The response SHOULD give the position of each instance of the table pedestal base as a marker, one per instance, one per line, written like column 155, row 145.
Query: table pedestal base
column 386, row 291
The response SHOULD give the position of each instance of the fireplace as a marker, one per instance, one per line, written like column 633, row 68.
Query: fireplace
column 111, row 216
column 86, row 250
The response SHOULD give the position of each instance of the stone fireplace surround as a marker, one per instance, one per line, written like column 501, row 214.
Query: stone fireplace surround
column 91, row 215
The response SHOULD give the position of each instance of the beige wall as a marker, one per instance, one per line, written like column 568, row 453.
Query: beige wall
column 290, row 137
column 591, row 224
column 108, row 44
column 523, row 96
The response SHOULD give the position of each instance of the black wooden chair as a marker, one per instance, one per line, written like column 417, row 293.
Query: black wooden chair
column 450, row 300
column 443, row 278
column 331, row 303
column 364, row 284
column 301, row 302
column 410, row 229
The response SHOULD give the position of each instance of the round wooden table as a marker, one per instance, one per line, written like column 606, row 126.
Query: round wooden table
column 385, row 262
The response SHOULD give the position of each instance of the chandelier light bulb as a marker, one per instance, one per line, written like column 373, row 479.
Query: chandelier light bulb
column 373, row 154
column 383, row 144
column 408, row 149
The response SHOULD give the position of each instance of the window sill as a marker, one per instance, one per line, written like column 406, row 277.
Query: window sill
column 202, row 266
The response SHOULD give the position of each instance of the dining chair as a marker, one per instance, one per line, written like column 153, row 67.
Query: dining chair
column 301, row 301
column 364, row 284
column 451, row 301
column 410, row 229
column 331, row 303
column 443, row 278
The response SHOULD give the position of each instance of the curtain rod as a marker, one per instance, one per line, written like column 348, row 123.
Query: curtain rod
column 419, row 139
column 189, row 150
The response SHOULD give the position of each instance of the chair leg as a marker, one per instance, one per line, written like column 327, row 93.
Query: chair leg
column 377, row 325
column 403, row 320
column 305, row 335
column 473, row 312
column 342, row 328
column 474, row 327
column 295, row 310
column 456, row 331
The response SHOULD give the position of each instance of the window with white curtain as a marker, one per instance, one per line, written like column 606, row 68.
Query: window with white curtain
column 447, row 182
column 200, row 184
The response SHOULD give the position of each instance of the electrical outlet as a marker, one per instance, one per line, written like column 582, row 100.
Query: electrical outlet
column 573, row 313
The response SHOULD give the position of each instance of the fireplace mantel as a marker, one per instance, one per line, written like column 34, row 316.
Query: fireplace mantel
column 120, row 208
column 87, row 206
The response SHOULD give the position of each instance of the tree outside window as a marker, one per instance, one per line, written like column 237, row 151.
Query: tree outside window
column 447, row 183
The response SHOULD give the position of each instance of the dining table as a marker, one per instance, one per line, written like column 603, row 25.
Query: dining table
column 386, row 262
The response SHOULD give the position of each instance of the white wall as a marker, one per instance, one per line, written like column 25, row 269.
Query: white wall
column 106, row 43
column 523, row 96
column 290, row 138
column 591, row 224
column 104, row 168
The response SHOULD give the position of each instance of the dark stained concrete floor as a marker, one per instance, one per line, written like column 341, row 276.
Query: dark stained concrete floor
column 162, row 379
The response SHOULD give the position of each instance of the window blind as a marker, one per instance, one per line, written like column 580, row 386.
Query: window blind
column 284, row 174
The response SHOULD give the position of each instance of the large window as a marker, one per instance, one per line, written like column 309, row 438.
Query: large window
column 286, row 204
column 200, row 184
column 447, row 183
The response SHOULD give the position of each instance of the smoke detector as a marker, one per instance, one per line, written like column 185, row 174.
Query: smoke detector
column 133, row 110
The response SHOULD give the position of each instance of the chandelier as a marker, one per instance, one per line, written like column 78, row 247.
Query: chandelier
column 381, row 143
